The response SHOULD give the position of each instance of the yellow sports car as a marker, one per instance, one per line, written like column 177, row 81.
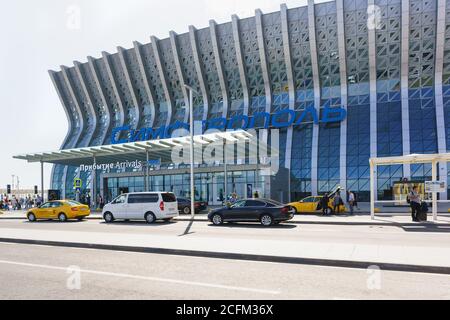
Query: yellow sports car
column 62, row 210
column 312, row 204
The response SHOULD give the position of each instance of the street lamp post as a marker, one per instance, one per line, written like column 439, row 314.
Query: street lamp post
column 191, row 128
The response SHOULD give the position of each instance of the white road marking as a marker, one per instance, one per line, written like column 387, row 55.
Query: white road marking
column 130, row 276
column 310, row 266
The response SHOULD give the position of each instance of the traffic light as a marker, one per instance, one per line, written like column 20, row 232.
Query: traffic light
column 36, row 190
column 8, row 189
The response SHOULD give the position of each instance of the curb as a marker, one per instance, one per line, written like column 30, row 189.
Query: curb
column 238, row 256
column 343, row 223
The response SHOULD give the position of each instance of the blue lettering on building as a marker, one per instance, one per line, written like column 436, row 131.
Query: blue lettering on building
column 281, row 119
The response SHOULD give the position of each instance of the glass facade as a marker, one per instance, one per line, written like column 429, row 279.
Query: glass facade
column 209, row 187
column 357, row 62
column 389, row 105
column 330, row 83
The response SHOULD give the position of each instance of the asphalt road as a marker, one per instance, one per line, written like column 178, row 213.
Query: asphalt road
column 39, row 272
column 412, row 235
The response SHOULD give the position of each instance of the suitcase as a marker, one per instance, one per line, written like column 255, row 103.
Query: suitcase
column 422, row 215
column 424, row 207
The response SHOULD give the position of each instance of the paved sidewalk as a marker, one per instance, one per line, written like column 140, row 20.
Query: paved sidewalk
column 357, row 219
column 323, row 253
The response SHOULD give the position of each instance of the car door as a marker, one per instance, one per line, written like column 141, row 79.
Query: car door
column 55, row 209
column 182, row 202
column 253, row 209
column 118, row 207
column 44, row 211
column 132, row 207
column 306, row 205
column 235, row 211
column 316, row 203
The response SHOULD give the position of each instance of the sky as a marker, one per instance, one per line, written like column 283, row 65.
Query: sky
column 38, row 36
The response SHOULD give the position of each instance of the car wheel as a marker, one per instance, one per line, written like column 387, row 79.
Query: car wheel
column 108, row 217
column 150, row 218
column 217, row 220
column 187, row 210
column 266, row 220
column 31, row 217
column 62, row 217
column 295, row 210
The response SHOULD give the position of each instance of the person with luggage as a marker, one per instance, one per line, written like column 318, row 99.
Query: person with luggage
column 415, row 203
column 351, row 201
column 324, row 203
column 337, row 201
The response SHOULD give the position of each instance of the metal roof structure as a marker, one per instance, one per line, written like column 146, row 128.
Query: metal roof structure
column 411, row 159
column 434, row 159
column 160, row 149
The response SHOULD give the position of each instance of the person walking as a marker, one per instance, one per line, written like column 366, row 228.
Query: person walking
column 102, row 202
column 351, row 201
column 88, row 200
column 324, row 203
column 337, row 202
column 256, row 195
column 415, row 203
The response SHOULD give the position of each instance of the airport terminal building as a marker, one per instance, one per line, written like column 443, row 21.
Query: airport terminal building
column 342, row 81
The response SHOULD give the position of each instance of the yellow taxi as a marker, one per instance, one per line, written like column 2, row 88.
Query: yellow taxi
column 313, row 204
column 62, row 210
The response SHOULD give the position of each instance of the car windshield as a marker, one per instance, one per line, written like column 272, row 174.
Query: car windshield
column 119, row 199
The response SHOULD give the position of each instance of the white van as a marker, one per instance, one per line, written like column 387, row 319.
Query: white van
column 148, row 206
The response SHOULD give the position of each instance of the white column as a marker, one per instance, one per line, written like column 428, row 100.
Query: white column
column 373, row 88
column 163, row 77
column 291, row 85
column 102, row 95
column 66, row 109
column 434, row 165
column 264, row 67
column 105, row 56
column 148, row 88
column 440, row 119
column 240, row 62
column 373, row 190
column 344, row 91
column 263, row 57
column 198, row 68
column 406, row 142
column 94, row 117
column 131, row 88
column 81, row 115
column 94, row 185
column 176, row 57
column 316, row 78
column 219, row 66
